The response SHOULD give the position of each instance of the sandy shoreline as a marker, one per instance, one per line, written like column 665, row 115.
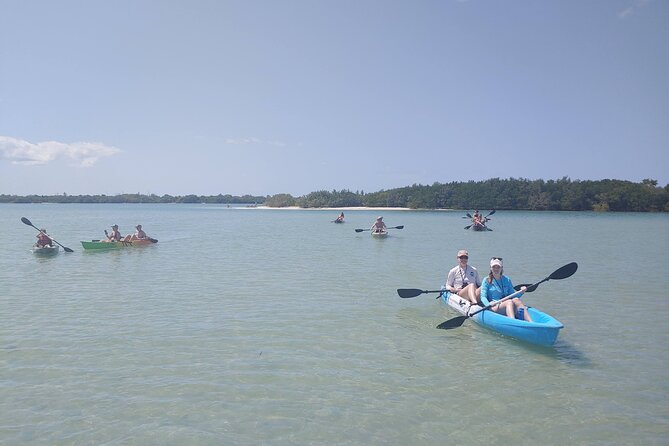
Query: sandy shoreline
column 350, row 208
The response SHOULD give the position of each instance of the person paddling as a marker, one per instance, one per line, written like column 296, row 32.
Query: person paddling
column 378, row 226
column 43, row 239
column 340, row 219
column 115, row 235
column 139, row 234
column 498, row 286
column 464, row 280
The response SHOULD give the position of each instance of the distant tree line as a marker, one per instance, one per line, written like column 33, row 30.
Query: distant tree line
column 132, row 198
column 495, row 193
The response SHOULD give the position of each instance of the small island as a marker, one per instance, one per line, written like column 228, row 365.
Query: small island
column 508, row 194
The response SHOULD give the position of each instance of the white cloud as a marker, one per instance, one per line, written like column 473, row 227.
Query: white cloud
column 84, row 154
column 632, row 9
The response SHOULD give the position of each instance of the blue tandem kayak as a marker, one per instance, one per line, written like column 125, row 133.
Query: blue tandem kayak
column 543, row 330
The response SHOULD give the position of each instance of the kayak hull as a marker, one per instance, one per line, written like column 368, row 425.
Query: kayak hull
column 382, row 234
column 45, row 250
column 102, row 246
column 543, row 330
column 480, row 228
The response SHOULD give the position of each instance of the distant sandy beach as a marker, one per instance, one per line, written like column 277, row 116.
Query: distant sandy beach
column 351, row 208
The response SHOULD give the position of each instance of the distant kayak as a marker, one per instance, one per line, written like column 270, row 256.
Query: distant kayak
column 479, row 227
column 98, row 245
column 338, row 221
column 45, row 250
column 543, row 330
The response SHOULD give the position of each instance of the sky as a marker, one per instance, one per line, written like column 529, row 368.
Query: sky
column 263, row 97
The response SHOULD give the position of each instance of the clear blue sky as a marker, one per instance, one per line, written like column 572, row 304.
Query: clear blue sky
column 266, row 97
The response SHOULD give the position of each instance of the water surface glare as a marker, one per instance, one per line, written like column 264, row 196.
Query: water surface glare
column 253, row 326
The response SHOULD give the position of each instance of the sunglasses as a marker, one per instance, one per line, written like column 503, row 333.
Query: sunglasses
column 496, row 258
column 463, row 257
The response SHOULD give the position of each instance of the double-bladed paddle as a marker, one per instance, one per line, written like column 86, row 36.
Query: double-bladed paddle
column 27, row 222
column 393, row 227
column 482, row 221
column 561, row 273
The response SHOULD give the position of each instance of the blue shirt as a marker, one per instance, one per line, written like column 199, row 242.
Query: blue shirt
column 496, row 290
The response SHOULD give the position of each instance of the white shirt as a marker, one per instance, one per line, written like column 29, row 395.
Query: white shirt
column 457, row 276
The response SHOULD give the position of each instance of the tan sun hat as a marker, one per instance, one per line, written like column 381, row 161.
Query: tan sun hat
column 463, row 252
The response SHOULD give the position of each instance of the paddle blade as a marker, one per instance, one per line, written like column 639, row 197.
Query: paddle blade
column 359, row 230
column 409, row 292
column 26, row 221
column 452, row 323
column 566, row 271
column 153, row 240
column 491, row 212
column 67, row 249
column 469, row 215
column 467, row 227
column 532, row 288
column 398, row 227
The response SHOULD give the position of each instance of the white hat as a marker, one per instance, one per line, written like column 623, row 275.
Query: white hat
column 379, row 218
column 494, row 262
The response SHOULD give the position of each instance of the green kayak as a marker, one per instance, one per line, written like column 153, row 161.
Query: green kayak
column 98, row 245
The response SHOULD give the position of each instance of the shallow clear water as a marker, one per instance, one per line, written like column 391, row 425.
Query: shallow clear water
column 252, row 326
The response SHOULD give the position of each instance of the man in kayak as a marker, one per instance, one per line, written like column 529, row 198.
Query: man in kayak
column 379, row 225
column 497, row 286
column 43, row 239
column 115, row 236
column 464, row 280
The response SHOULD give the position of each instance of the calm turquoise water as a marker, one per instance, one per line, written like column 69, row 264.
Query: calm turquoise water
column 251, row 326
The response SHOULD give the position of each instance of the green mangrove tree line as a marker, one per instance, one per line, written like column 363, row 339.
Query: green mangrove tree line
column 495, row 193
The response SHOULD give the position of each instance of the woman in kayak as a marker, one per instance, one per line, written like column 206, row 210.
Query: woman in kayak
column 496, row 287
column 43, row 239
column 115, row 236
column 379, row 225
column 464, row 280
column 139, row 233
column 340, row 218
